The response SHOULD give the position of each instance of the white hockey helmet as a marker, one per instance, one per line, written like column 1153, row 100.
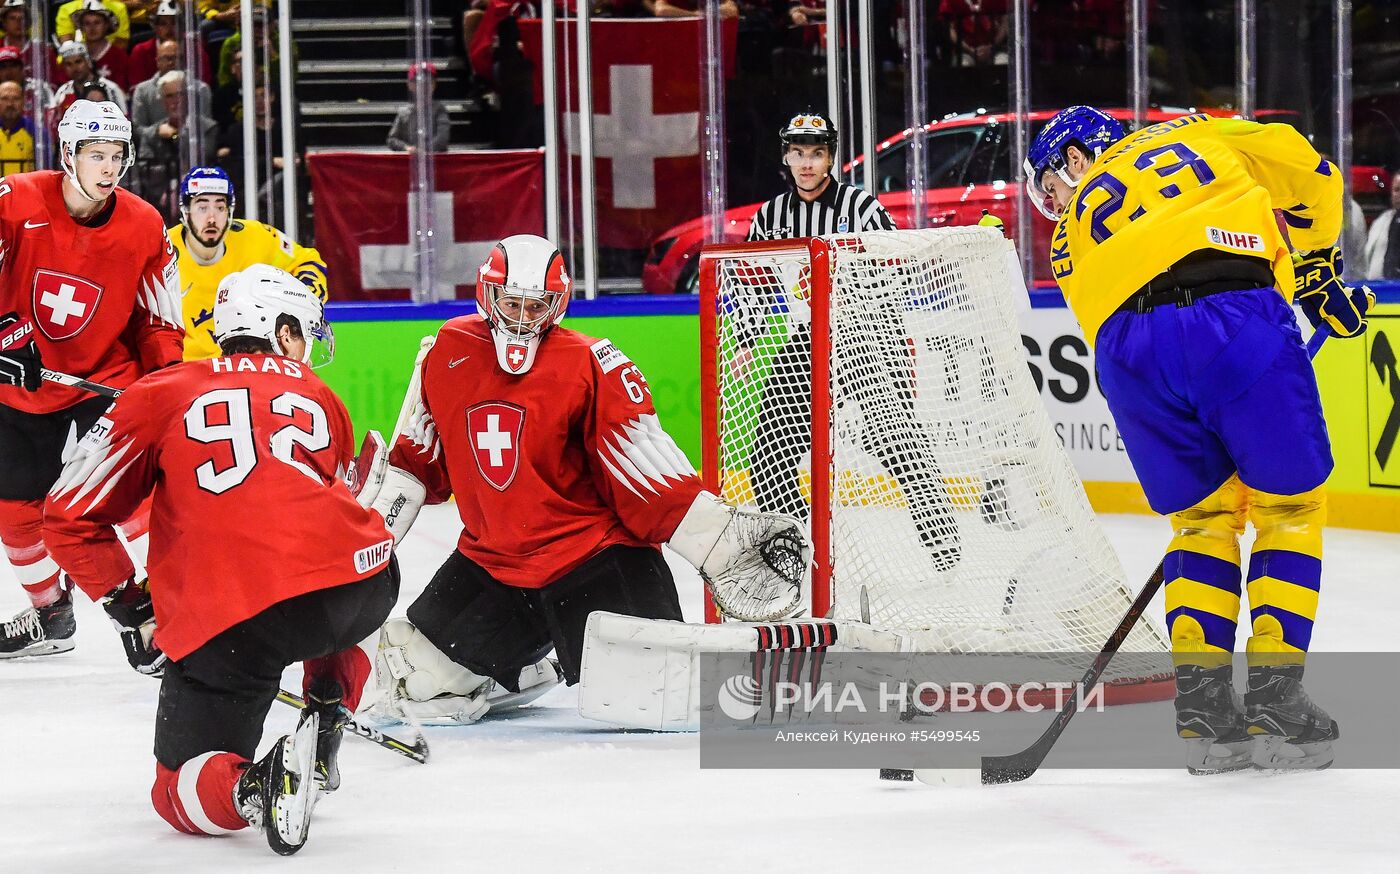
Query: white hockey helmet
column 520, row 271
column 86, row 122
column 250, row 301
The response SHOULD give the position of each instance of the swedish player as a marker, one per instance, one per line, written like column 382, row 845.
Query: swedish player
column 212, row 244
column 1169, row 253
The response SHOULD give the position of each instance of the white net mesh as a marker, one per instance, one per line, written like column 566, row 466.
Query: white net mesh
column 953, row 505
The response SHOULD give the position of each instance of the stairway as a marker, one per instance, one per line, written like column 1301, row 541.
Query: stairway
column 352, row 68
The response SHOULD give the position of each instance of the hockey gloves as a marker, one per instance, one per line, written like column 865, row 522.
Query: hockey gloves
column 130, row 608
column 1318, row 289
column 19, row 354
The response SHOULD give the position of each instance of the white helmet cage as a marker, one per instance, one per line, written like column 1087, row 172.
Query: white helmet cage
column 520, row 271
column 87, row 121
column 250, row 301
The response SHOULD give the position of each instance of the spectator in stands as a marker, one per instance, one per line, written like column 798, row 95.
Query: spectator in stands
column 519, row 124
column 147, row 106
column 688, row 8
column 1383, row 242
column 66, row 25
column 93, row 90
column 479, row 26
column 97, row 24
column 264, row 30
column 167, row 26
column 78, row 67
column 804, row 12
column 14, row 20
column 12, row 69
column 16, row 131
column 267, row 129
column 228, row 99
column 139, row 14
column 402, row 137
column 977, row 29
column 220, row 20
column 158, row 146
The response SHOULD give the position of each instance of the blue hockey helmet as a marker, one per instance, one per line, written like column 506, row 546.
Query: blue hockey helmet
column 204, row 180
column 1093, row 130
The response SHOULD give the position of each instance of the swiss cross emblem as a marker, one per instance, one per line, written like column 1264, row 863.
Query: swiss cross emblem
column 63, row 304
column 494, row 430
column 515, row 356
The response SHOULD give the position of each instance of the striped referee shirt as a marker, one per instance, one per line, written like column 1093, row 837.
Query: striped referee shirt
column 840, row 209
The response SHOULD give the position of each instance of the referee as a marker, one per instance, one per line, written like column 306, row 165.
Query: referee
column 818, row 204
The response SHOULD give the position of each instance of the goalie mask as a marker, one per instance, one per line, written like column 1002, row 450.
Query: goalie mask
column 250, row 301
column 89, row 122
column 522, row 291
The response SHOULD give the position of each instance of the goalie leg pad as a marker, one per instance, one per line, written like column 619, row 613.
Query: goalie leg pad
column 645, row 673
column 421, row 682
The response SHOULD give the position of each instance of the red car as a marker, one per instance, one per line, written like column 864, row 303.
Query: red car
column 969, row 169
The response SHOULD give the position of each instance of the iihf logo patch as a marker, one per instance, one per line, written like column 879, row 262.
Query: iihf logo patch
column 843, row 226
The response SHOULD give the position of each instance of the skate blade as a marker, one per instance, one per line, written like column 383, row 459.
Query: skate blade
column 290, row 822
column 1274, row 753
column 1206, row 756
column 42, row 648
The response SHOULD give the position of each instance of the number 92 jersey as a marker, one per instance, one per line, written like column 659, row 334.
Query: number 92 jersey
column 246, row 456
column 1185, row 185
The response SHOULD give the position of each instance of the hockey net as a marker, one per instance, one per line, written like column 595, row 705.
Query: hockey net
column 876, row 385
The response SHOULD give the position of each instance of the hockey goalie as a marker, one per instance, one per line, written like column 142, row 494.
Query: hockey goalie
column 566, row 485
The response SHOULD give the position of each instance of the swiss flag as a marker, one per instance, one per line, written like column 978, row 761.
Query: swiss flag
column 63, row 303
column 494, row 430
column 647, row 119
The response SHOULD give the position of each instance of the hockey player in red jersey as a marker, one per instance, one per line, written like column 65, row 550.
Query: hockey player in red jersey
column 88, row 286
column 260, row 557
column 566, row 485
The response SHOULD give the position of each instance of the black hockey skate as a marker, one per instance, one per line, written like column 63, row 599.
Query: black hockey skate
column 323, row 698
column 1291, row 732
column 40, row 631
column 275, row 792
column 1210, row 719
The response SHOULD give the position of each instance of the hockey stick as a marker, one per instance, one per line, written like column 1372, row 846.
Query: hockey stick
column 417, row 751
column 1019, row 766
column 96, row 388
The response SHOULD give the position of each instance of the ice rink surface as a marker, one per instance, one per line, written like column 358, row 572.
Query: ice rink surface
column 549, row 791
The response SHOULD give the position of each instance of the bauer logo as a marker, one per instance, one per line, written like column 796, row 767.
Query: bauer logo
column 740, row 698
column 373, row 556
column 1235, row 240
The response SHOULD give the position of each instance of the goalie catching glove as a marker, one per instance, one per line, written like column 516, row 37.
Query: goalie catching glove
column 132, row 612
column 752, row 563
column 1318, row 289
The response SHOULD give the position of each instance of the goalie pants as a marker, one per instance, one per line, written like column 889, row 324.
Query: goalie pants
column 32, row 446
column 496, row 630
column 889, row 431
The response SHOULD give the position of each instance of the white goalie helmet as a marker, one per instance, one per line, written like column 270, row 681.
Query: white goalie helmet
column 88, row 121
column 250, row 301
column 522, row 291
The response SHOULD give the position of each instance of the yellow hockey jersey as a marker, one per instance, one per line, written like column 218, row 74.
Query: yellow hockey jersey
column 1184, row 185
column 245, row 244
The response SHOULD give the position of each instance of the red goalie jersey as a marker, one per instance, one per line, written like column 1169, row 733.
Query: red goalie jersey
column 246, row 456
column 104, row 297
column 548, row 467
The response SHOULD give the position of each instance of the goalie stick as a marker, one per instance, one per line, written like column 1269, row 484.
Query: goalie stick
column 1019, row 766
column 417, row 751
